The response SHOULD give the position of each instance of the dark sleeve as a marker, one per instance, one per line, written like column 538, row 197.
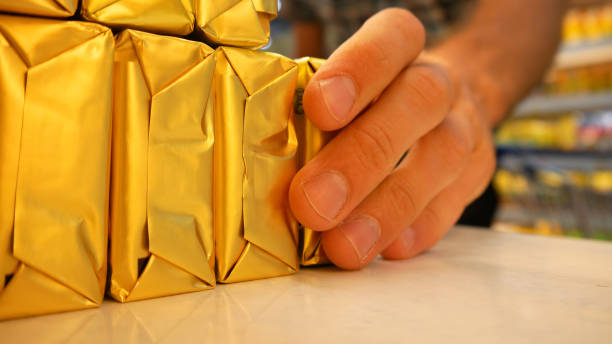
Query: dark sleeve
column 299, row 10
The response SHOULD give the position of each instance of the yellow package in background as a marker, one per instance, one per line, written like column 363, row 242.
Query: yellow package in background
column 311, row 140
column 173, row 17
column 162, row 239
column 55, row 127
column 45, row 8
column 255, row 160
column 239, row 23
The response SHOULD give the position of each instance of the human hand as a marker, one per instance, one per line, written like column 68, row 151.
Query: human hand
column 387, row 97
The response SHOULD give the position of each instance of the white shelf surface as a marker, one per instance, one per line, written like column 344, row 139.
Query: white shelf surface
column 584, row 55
column 541, row 104
column 474, row 287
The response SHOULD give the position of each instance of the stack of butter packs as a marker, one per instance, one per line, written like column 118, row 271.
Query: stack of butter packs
column 157, row 160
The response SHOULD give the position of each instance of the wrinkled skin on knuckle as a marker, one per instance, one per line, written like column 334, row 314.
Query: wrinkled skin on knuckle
column 432, row 223
column 487, row 156
column 473, row 118
column 376, row 55
column 429, row 218
column 452, row 147
column 430, row 89
column 402, row 199
column 372, row 148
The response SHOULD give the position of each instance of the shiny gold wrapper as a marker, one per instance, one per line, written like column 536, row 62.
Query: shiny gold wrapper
column 174, row 17
column 311, row 140
column 162, row 239
column 255, row 159
column 239, row 23
column 55, row 126
column 45, row 8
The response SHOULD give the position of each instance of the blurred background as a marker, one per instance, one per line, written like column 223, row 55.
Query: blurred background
column 554, row 172
column 555, row 152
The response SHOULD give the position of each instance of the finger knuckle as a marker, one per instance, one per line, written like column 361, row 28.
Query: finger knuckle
column 376, row 54
column 436, row 225
column 475, row 122
column 487, row 156
column 403, row 200
column 454, row 148
column 430, row 219
column 431, row 89
column 374, row 147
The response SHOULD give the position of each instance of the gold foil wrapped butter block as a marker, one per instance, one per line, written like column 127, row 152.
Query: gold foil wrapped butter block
column 175, row 17
column 55, row 126
column 239, row 23
column 255, row 160
column 162, row 239
column 311, row 141
column 46, row 8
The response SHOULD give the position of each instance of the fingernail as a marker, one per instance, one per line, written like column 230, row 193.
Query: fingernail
column 327, row 193
column 407, row 237
column 339, row 96
column 363, row 233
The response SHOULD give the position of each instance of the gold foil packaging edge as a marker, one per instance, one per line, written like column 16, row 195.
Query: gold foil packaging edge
column 311, row 141
column 238, row 23
column 45, row 8
column 255, row 160
column 56, row 169
column 162, row 240
column 175, row 17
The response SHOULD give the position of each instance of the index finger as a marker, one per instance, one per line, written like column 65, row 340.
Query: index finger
column 360, row 69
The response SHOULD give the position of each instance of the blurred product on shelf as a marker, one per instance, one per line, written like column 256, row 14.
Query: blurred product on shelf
column 590, row 24
column 547, row 195
column 589, row 131
column 584, row 62
column 555, row 154
column 581, row 79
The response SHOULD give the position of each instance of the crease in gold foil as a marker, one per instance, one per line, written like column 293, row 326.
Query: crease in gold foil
column 55, row 126
column 255, row 160
column 162, row 240
column 173, row 17
column 45, row 8
column 311, row 140
column 239, row 23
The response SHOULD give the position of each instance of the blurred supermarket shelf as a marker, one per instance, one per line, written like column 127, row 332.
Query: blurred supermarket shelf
column 517, row 150
column 522, row 158
column 541, row 104
column 584, row 54
column 586, row 3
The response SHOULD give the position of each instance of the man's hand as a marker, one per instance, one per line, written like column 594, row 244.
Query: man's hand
column 388, row 98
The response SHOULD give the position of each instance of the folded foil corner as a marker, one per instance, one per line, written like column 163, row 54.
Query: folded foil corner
column 311, row 140
column 55, row 127
column 162, row 240
column 255, row 160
